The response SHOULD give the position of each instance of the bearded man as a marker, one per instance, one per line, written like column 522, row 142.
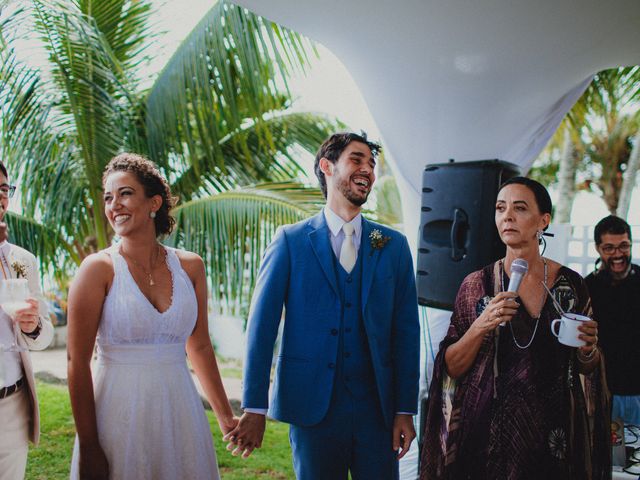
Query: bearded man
column 346, row 376
column 615, row 295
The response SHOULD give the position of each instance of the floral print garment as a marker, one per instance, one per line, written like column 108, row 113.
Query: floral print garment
column 518, row 413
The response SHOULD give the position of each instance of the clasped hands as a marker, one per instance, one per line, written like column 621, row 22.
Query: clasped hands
column 247, row 434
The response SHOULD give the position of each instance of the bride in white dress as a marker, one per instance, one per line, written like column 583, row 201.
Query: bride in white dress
column 140, row 417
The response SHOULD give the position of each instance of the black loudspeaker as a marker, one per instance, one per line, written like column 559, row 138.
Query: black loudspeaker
column 458, row 233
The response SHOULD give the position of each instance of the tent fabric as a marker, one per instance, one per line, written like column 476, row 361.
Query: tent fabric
column 461, row 79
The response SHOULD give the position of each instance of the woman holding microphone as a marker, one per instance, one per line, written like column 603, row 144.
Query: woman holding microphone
column 518, row 408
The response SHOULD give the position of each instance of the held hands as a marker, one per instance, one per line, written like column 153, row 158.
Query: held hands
column 27, row 318
column 590, row 335
column 247, row 435
column 403, row 434
column 500, row 309
column 228, row 424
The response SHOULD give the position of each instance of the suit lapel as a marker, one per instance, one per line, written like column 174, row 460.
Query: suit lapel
column 370, row 257
column 321, row 245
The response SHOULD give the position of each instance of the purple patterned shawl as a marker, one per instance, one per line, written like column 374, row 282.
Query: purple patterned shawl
column 531, row 420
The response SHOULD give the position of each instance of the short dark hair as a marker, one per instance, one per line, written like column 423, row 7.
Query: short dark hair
column 332, row 148
column 543, row 200
column 153, row 183
column 613, row 225
column 3, row 170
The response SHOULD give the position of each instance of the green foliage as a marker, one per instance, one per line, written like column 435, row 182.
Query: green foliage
column 52, row 458
column 601, row 126
column 232, row 229
column 214, row 120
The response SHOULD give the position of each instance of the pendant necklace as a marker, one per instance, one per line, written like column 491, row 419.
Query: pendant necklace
column 137, row 264
column 544, row 299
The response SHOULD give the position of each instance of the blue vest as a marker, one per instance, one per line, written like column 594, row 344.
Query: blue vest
column 354, row 369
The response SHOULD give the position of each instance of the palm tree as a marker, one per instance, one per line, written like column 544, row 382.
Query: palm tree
column 213, row 120
column 601, row 137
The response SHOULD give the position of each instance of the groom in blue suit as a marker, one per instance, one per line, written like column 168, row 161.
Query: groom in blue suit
column 346, row 376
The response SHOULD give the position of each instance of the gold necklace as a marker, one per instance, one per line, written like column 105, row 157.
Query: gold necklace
column 153, row 264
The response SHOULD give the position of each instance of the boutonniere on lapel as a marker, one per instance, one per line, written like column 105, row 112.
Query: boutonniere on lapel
column 378, row 241
column 20, row 269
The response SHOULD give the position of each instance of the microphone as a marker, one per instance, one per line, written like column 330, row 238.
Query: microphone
column 519, row 268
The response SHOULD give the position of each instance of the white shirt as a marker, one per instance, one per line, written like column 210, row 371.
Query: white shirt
column 335, row 223
column 10, row 363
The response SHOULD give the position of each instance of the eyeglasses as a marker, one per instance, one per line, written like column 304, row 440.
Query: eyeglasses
column 609, row 249
column 7, row 190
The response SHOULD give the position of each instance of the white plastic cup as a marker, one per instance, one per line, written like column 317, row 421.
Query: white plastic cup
column 568, row 331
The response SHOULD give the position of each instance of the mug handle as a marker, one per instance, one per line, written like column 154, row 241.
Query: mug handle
column 553, row 326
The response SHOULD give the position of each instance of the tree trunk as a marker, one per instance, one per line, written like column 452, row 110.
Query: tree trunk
column 566, row 180
column 629, row 179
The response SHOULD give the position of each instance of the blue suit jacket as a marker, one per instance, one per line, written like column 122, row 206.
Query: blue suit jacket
column 297, row 271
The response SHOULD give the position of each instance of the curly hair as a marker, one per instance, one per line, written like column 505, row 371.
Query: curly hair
column 153, row 183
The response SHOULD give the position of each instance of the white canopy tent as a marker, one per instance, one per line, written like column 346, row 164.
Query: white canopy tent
column 465, row 79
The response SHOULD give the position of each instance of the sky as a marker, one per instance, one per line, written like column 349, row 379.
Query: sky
column 328, row 88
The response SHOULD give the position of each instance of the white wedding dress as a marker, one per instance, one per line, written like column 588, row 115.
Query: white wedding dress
column 151, row 421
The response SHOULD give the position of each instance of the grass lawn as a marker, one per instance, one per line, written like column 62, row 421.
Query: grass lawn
column 50, row 461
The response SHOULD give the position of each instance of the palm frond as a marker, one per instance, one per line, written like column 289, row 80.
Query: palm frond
column 125, row 26
column 92, row 82
column 292, row 135
column 90, row 78
column 232, row 229
column 222, row 76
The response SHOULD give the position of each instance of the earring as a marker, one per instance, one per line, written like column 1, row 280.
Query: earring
column 539, row 235
column 152, row 214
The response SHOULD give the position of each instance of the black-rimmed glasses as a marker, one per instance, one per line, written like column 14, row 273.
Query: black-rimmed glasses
column 7, row 190
column 608, row 249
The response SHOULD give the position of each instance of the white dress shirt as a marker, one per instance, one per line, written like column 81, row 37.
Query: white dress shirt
column 10, row 363
column 335, row 223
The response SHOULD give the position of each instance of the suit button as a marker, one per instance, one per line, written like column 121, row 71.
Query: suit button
column 332, row 365
column 348, row 305
column 334, row 332
column 349, row 280
column 347, row 330
column 347, row 354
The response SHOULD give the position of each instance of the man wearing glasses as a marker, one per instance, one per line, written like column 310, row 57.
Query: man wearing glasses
column 28, row 329
column 615, row 295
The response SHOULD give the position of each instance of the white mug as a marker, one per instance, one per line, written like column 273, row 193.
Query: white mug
column 568, row 334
